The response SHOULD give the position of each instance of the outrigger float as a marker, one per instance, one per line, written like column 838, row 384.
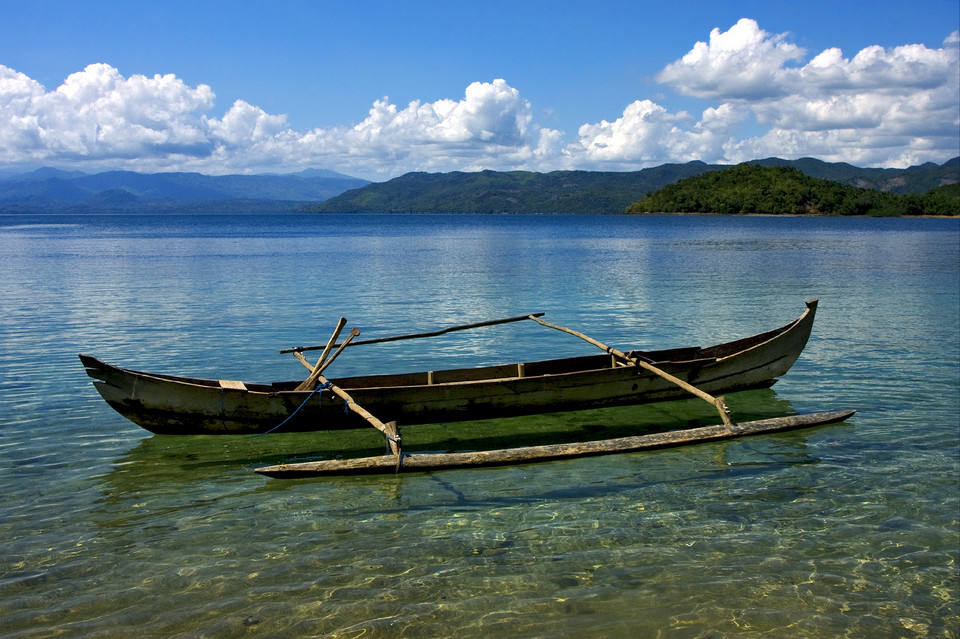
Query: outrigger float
column 167, row 404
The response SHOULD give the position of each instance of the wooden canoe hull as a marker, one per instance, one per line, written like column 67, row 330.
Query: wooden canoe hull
column 167, row 404
column 553, row 452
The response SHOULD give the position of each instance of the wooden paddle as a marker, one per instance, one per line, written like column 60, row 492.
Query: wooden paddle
column 311, row 382
column 333, row 338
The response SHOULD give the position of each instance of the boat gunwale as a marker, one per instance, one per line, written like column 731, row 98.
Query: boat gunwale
column 748, row 343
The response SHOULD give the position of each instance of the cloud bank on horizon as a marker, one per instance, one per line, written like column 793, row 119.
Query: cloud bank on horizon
column 891, row 107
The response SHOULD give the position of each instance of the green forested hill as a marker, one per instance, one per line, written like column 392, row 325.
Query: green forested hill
column 914, row 179
column 510, row 192
column 781, row 190
column 605, row 192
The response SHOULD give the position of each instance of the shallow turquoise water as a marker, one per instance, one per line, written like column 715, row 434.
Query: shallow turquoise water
column 845, row 530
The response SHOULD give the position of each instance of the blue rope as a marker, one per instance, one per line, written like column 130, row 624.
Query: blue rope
column 312, row 393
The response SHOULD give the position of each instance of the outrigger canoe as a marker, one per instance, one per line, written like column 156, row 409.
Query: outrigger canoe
column 168, row 404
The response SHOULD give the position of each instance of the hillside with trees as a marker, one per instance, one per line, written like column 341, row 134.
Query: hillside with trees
column 612, row 192
column 510, row 191
column 782, row 190
column 843, row 189
column 914, row 179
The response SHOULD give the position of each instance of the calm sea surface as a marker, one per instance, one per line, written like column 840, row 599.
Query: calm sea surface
column 844, row 530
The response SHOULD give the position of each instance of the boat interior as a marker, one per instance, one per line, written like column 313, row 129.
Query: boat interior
column 670, row 359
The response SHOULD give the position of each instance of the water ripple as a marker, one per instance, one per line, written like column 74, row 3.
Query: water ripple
column 844, row 530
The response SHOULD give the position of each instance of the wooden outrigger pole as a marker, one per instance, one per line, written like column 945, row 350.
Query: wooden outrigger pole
column 417, row 462
column 716, row 402
column 389, row 429
column 444, row 331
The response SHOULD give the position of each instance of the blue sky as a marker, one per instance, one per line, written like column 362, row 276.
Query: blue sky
column 376, row 89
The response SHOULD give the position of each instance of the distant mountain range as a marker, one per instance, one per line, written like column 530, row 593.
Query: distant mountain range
column 594, row 191
column 53, row 190
column 315, row 190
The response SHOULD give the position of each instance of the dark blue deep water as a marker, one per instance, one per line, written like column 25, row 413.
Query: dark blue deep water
column 844, row 530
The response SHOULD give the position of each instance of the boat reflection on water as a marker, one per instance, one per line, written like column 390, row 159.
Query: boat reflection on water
column 200, row 488
column 174, row 461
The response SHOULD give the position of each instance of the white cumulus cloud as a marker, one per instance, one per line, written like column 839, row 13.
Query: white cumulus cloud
column 761, row 96
column 246, row 124
column 888, row 107
column 100, row 118
column 98, row 114
column 489, row 128
column 744, row 62
column 647, row 134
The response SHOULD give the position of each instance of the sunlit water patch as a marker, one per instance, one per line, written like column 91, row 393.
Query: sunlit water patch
column 844, row 530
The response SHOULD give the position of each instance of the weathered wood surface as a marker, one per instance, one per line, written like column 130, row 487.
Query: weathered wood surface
column 303, row 360
column 435, row 461
column 326, row 349
column 717, row 402
column 311, row 382
column 176, row 405
column 389, row 429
